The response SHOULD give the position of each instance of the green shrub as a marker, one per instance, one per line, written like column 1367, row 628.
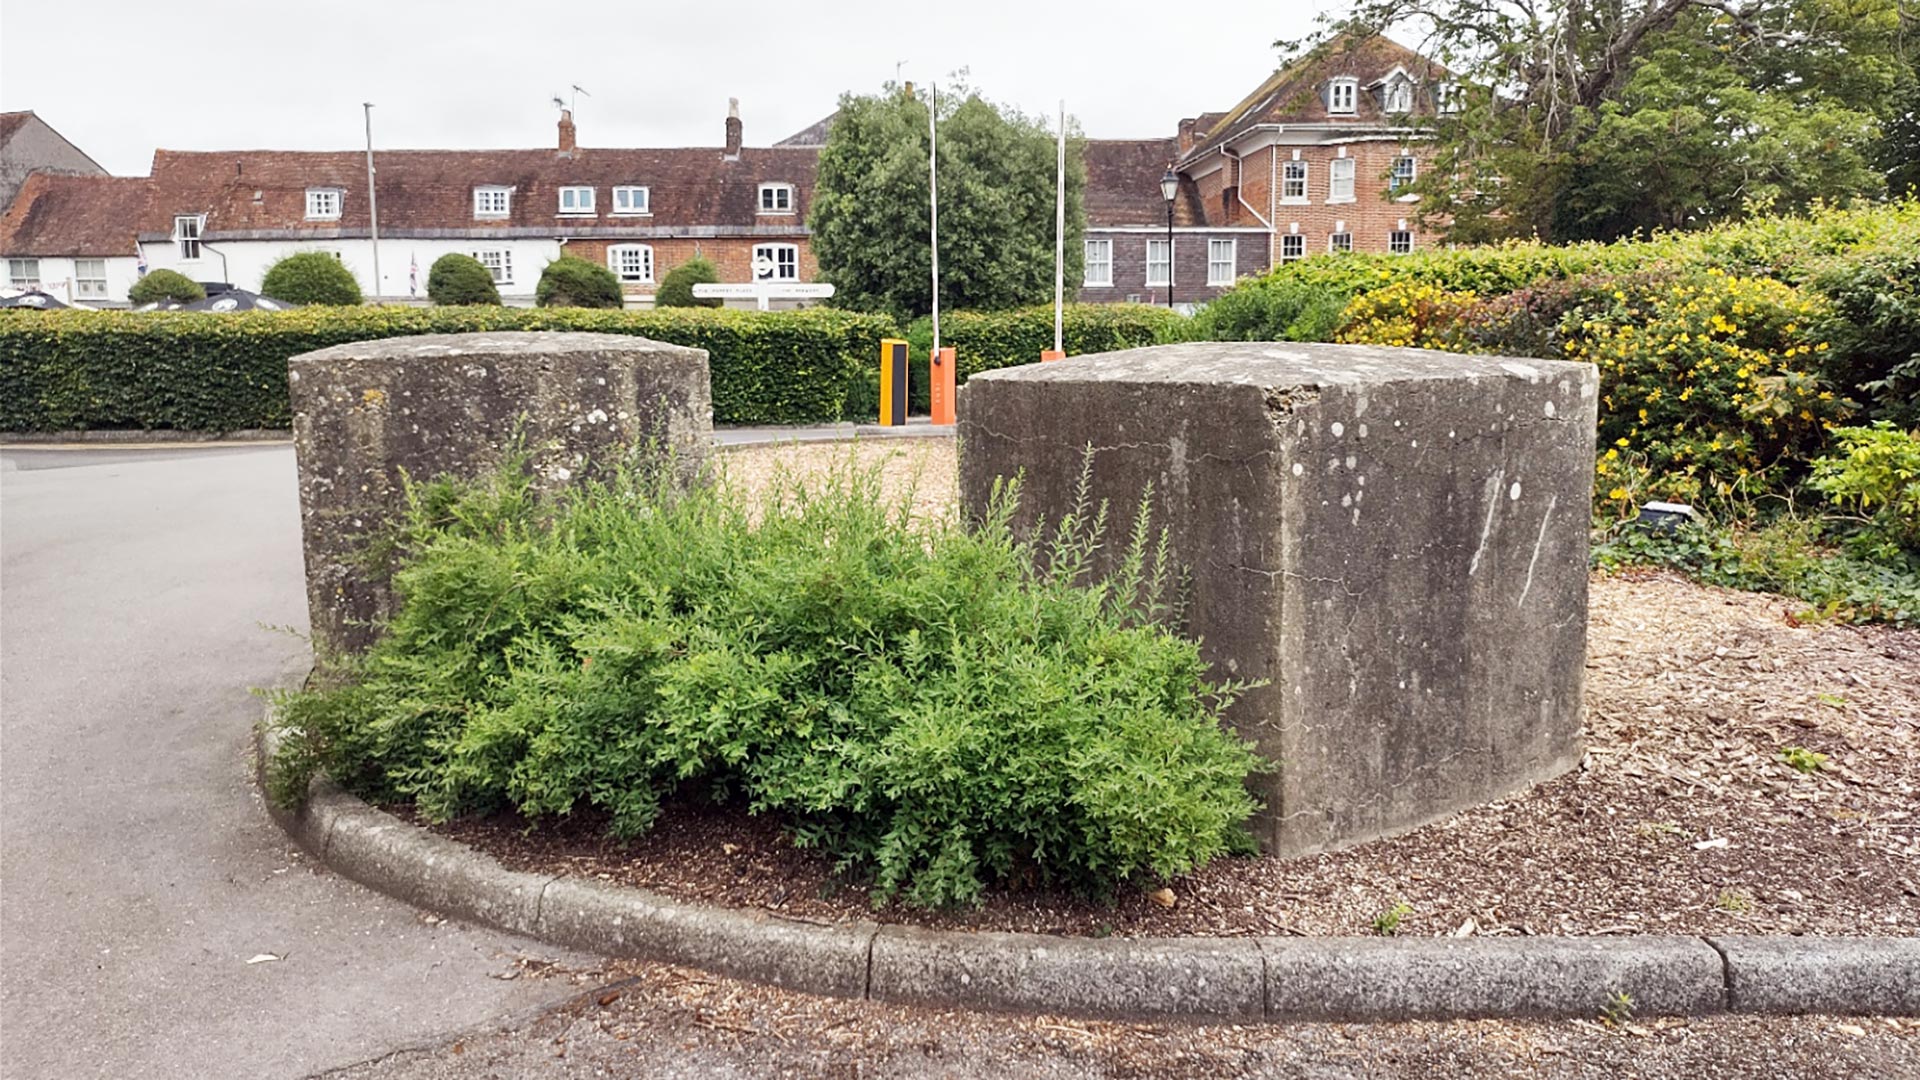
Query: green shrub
column 199, row 372
column 1272, row 309
column 457, row 279
column 573, row 282
column 985, row 340
column 159, row 286
column 676, row 289
column 912, row 697
column 1875, row 328
column 311, row 277
column 1877, row 479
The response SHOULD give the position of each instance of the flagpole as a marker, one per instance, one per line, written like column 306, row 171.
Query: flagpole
column 373, row 204
column 933, row 194
column 1060, row 229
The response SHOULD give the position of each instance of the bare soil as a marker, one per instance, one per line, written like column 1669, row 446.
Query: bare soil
column 1684, row 817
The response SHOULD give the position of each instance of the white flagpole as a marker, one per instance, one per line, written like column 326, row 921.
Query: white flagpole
column 933, row 193
column 1060, row 229
column 373, row 206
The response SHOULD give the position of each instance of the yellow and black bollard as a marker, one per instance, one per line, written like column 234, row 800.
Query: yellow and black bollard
column 893, row 382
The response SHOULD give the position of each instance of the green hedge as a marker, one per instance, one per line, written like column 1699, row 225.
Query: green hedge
column 985, row 340
column 202, row 371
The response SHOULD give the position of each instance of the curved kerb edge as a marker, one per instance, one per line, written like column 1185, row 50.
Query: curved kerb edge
column 1212, row 979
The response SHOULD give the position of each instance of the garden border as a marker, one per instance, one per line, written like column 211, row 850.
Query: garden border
column 1231, row 979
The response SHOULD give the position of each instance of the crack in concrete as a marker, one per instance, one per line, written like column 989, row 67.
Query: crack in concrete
column 1538, row 542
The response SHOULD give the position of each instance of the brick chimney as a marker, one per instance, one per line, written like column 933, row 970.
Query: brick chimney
column 566, row 133
column 733, row 129
column 1186, row 133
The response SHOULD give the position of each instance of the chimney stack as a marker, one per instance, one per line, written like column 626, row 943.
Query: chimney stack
column 566, row 133
column 1186, row 133
column 733, row 129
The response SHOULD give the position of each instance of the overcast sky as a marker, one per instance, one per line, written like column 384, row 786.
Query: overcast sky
column 120, row 78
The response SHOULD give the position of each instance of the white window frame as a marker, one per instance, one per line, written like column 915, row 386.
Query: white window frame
column 1400, row 242
column 1339, row 242
column 1293, row 173
column 786, row 260
column 617, row 263
column 1343, row 96
column 23, row 280
column 583, row 200
column 186, row 233
column 1221, row 269
column 498, row 261
column 1166, row 264
column 90, row 286
column 486, row 195
column 1395, row 181
column 1293, row 247
column 324, row 203
column 1397, row 96
column 1447, row 99
column 1104, row 261
column 644, row 200
column 776, row 199
column 1340, row 188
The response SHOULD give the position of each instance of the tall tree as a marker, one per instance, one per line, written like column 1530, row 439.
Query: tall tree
column 870, row 204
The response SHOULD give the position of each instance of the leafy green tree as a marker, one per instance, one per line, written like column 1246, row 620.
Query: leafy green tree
column 1899, row 151
column 676, row 289
column 574, row 282
column 165, row 285
column 311, row 277
column 870, row 206
column 457, row 279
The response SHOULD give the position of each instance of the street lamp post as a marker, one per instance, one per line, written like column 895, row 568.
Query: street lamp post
column 1169, row 187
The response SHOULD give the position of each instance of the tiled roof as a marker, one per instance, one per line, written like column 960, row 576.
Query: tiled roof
column 57, row 215
column 1292, row 94
column 431, row 191
column 1123, row 184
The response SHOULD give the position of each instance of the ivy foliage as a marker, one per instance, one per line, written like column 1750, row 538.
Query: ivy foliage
column 913, row 698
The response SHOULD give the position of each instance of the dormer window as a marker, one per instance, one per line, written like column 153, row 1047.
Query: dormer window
column 776, row 198
column 492, row 201
column 323, row 204
column 576, row 200
column 1342, row 94
column 631, row 199
column 1397, row 97
column 1447, row 99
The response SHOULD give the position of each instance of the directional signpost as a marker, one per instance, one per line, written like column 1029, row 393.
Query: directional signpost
column 764, row 288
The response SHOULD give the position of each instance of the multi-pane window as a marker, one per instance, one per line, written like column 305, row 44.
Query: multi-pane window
column 631, row 199
column 323, row 204
column 631, row 262
column 1293, row 182
column 1446, row 98
column 1399, row 96
column 1340, row 180
column 1099, row 262
column 23, row 273
column 1293, row 246
column 1340, row 241
column 1399, row 242
column 1159, row 262
column 491, row 201
column 499, row 263
column 1341, row 95
column 576, row 200
column 1404, row 169
column 1220, row 262
column 776, row 198
column 784, row 257
column 90, row 279
column 186, row 233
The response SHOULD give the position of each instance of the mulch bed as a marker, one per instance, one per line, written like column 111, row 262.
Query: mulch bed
column 1683, row 817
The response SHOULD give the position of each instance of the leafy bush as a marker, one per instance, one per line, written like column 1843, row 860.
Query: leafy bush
column 676, row 289
column 1875, row 327
column 914, row 698
column 160, row 286
column 1272, row 309
column 457, row 279
column 1878, row 479
column 1406, row 313
column 311, row 277
column 573, row 282
column 193, row 371
column 985, row 340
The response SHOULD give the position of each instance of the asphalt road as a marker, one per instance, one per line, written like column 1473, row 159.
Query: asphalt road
column 139, row 872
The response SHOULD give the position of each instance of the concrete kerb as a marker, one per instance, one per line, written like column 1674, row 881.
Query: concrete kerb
column 1234, row 980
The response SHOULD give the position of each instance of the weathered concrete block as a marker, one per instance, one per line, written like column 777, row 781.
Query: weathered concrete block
column 1395, row 539
column 1870, row 976
column 364, row 414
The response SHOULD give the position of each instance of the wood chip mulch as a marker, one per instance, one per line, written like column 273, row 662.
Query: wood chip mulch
column 1684, row 816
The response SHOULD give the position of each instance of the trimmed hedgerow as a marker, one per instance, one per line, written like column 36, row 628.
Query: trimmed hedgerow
column 311, row 277
column 456, row 280
column 164, row 285
column 571, row 282
column 197, row 371
column 676, row 289
column 985, row 340
column 914, row 698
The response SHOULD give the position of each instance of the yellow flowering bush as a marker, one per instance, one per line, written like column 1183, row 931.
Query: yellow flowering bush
column 1409, row 313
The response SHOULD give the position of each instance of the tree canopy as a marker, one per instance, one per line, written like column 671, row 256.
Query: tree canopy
column 870, row 214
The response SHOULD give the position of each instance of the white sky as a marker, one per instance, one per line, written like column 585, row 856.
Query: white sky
column 121, row 77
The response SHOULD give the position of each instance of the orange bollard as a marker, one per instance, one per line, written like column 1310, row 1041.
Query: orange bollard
column 893, row 382
column 942, row 383
column 1051, row 354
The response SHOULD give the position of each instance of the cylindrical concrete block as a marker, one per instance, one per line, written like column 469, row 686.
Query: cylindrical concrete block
column 367, row 413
